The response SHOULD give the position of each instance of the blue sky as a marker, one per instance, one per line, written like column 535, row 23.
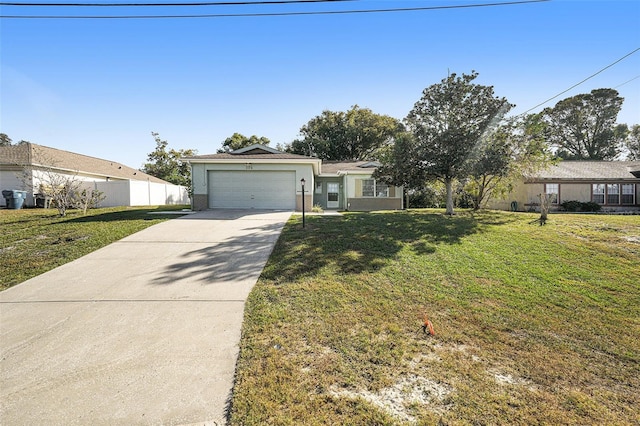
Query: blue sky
column 101, row 86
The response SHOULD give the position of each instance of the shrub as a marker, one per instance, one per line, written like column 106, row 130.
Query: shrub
column 579, row 206
column 591, row 207
column 571, row 206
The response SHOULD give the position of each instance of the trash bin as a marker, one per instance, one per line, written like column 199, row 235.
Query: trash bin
column 15, row 199
column 514, row 206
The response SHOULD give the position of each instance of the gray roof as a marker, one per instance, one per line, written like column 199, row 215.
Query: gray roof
column 335, row 167
column 590, row 170
column 229, row 156
column 30, row 154
column 257, row 152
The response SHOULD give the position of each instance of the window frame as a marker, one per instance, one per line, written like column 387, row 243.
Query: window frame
column 606, row 196
column 556, row 193
column 598, row 194
column 611, row 192
column 376, row 188
column 632, row 194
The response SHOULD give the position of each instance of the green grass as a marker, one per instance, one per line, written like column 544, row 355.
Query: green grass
column 534, row 325
column 33, row 241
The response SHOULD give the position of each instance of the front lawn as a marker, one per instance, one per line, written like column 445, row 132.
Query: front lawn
column 534, row 325
column 33, row 241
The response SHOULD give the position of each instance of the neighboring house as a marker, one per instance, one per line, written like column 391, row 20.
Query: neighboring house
column 25, row 167
column 615, row 185
column 261, row 177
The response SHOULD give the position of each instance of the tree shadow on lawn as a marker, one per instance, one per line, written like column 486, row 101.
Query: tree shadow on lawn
column 353, row 243
column 365, row 242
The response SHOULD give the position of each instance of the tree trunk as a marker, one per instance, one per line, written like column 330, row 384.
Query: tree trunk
column 448, row 182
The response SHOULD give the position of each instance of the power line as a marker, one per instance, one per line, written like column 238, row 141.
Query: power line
column 245, row 15
column 628, row 81
column 219, row 3
column 588, row 78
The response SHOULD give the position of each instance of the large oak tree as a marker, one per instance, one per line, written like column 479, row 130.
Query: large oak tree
column 583, row 127
column 357, row 134
column 448, row 123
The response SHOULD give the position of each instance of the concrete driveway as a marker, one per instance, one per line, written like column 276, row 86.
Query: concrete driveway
column 143, row 331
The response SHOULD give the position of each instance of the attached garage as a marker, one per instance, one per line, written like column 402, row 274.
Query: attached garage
column 255, row 177
column 252, row 189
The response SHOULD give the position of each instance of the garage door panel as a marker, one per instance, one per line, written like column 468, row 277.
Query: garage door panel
column 252, row 189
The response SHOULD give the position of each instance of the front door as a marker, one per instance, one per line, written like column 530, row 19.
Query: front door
column 333, row 195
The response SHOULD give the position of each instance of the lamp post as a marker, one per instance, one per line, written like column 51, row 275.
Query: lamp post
column 302, row 183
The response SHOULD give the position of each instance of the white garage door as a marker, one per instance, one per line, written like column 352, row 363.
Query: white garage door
column 252, row 190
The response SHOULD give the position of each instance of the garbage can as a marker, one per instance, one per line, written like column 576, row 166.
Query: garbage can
column 15, row 199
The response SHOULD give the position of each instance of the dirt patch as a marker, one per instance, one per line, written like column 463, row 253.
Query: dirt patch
column 397, row 399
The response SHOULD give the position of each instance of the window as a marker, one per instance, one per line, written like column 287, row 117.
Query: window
column 382, row 190
column 368, row 187
column 371, row 188
column 598, row 193
column 553, row 191
column 628, row 194
column 613, row 193
column 318, row 187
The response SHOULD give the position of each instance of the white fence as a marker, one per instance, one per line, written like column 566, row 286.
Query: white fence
column 140, row 193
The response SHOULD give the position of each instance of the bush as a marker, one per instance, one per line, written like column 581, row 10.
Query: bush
column 579, row 206
column 571, row 206
column 591, row 207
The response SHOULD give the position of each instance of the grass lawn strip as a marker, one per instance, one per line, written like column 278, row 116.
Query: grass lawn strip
column 533, row 324
column 33, row 241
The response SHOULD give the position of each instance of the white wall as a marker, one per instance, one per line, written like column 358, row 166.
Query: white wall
column 140, row 193
column 117, row 192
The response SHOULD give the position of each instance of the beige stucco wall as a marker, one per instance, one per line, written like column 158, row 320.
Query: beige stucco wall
column 518, row 194
column 575, row 192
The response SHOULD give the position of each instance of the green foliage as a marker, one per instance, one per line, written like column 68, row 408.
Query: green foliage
column 357, row 134
column 583, row 127
column 238, row 141
column 579, row 206
column 448, row 123
column 515, row 149
column 5, row 140
column 632, row 143
column 167, row 164
column 399, row 164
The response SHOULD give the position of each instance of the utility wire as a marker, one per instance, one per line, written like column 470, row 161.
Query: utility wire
column 244, row 15
column 628, row 81
column 588, row 78
column 218, row 3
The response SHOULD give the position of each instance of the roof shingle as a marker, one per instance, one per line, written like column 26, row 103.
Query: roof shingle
column 30, row 154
